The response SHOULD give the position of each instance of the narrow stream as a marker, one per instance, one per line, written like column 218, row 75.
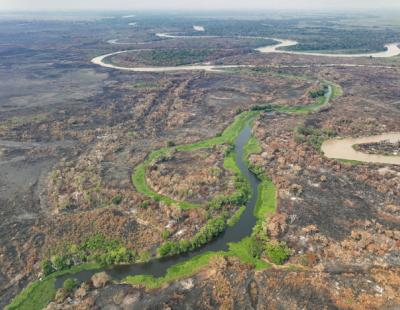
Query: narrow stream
column 158, row 267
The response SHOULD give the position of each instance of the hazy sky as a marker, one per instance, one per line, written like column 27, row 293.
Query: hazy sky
column 194, row 4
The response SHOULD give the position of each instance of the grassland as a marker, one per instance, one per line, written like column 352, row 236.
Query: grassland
column 241, row 250
column 40, row 292
column 266, row 202
column 230, row 163
column 251, row 147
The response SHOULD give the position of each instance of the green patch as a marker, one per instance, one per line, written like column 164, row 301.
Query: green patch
column 251, row 147
column 246, row 252
column 277, row 252
column 139, row 181
column 230, row 163
column 175, row 57
column 317, row 93
column 165, row 234
column 146, row 85
column 331, row 91
column 266, row 201
column 349, row 162
column 337, row 90
column 242, row 250
column 208, row 232
column 312, row 136
column 117, row 199
column 15, row 122
column 70, row 284
column 39, row 293
column 35, row 297
column 96, row 248
column 174, row 273
column 271, row 71
column 236, row 216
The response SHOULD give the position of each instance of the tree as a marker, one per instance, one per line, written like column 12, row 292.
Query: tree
column 278, row 253
column 47, row 267
column 117, row 199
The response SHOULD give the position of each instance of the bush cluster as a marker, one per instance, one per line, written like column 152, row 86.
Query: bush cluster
column 277, row 252
column 312, row 136
column 96, row 248
column 208, row 232
column 117, row 199
column 317, row 93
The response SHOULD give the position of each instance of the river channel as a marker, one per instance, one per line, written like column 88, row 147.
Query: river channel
column 158, row 267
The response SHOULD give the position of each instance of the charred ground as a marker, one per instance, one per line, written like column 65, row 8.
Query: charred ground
column 71, row 134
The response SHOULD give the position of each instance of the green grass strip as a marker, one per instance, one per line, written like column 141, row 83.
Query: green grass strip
column 175, row 272
column 230, row 163
column 236, row 216
column 243, row 250
column 35, row 296
column 39, row 293
column 266, row 200
column 349, row 162
column 251, row 147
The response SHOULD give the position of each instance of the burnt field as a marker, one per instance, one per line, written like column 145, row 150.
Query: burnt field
column 72, row 132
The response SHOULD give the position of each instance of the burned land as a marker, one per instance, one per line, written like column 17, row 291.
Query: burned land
column 72, row 135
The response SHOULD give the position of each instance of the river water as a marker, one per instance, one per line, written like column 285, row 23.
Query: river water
column 343, row 149
column 392, row 49
column 158, row 267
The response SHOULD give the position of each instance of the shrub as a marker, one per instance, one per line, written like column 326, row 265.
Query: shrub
column 61, row 262
column 70, row 284
column 229, row 149
column 117, row 199
column 144, row 204
column 299, row 138
column 165, row 234
column 47, row 267
column 265, row 108
column 312, row 136
column 165, row 249
column 257, row 170
column 318, row 93
column 209, row 231
column 256, row 247
column 277, row 253
column 145, row 256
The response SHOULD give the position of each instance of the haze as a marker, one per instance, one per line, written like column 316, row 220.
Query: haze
column 29, row 5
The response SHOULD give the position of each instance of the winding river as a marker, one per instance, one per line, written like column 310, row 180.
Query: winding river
column 240, row 230
column 392, row 50
column 343, row 149
column 243, row 228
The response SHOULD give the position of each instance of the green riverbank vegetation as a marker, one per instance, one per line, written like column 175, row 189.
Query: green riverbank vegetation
column 227, row 137
column 250, row 250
